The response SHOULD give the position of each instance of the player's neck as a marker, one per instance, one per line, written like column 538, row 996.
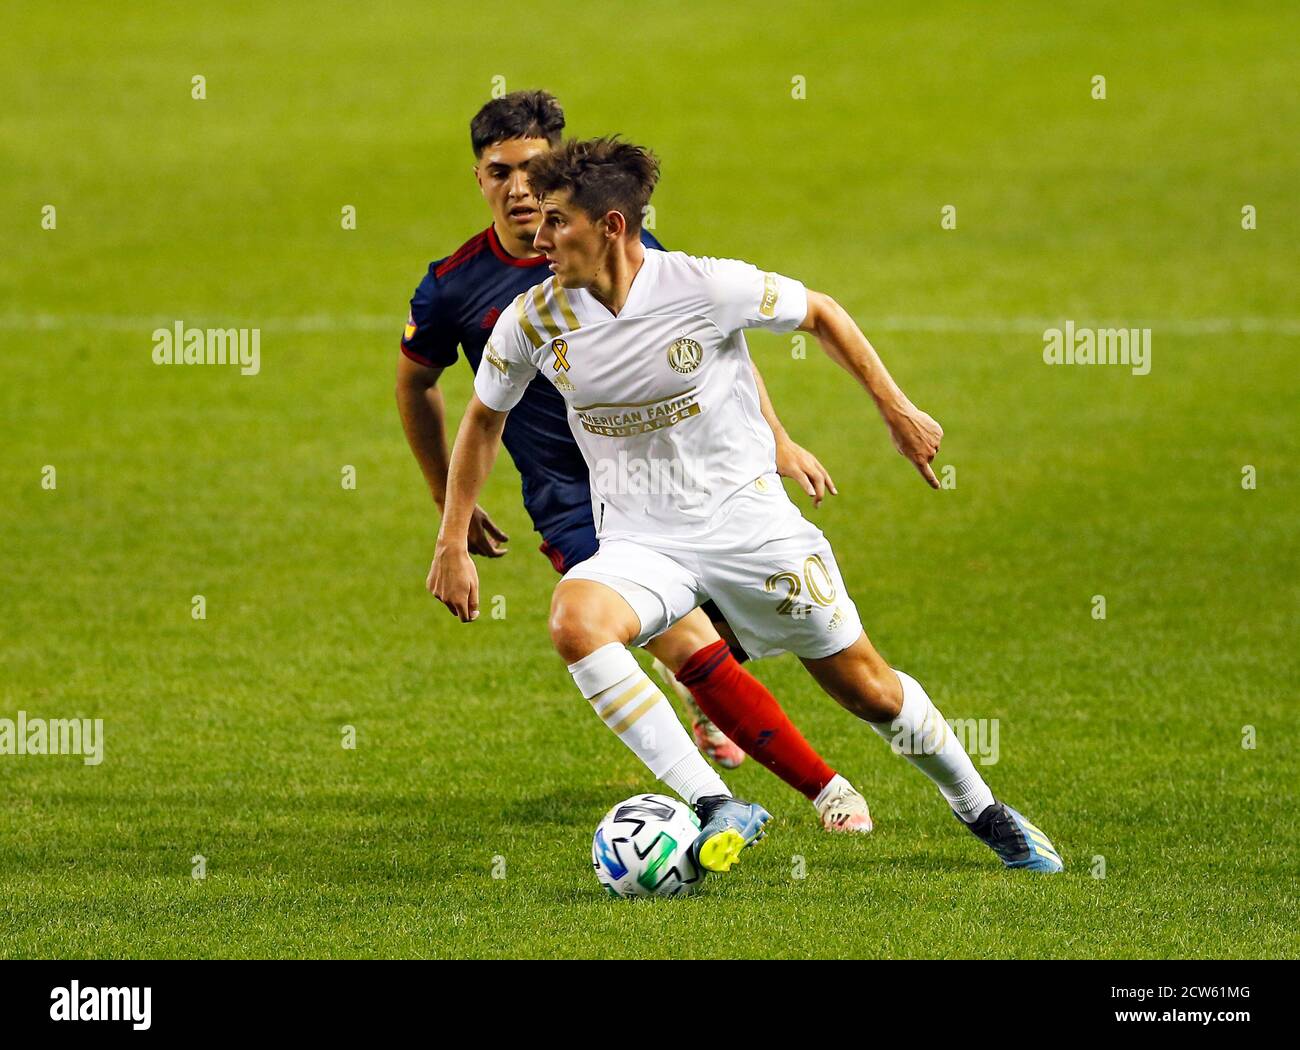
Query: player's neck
column 516, row 247
column 614, row 280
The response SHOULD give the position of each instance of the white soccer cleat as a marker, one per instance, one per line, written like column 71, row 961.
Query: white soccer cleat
column 842, row 808
column 711, row 740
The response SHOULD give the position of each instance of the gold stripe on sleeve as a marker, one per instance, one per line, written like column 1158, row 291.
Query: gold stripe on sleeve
column 521, row 315
column 544, row 314
column 566, row 308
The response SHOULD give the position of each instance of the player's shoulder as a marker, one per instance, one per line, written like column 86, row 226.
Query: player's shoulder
column 537, row 315
column 445, row 276
column 699, row 277
column 683, row 266
column 442, row 269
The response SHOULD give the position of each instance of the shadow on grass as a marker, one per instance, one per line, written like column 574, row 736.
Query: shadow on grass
column 568, row 808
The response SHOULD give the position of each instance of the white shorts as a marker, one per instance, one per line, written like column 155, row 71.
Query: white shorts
column 778, row 586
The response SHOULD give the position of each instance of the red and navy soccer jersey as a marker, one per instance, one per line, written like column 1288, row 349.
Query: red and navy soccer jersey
column 456, row 305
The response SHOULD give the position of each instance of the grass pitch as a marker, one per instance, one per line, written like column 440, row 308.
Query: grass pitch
column 1122, row 737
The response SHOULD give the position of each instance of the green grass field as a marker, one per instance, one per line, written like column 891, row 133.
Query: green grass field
column 1123, row 738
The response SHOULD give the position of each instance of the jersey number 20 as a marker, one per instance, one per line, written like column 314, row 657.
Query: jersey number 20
column 821, row 588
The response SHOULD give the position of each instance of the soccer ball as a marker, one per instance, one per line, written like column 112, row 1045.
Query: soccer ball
column 643, row 848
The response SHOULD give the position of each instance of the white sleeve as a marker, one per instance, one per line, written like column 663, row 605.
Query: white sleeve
column 506, row 370
column 743, row 296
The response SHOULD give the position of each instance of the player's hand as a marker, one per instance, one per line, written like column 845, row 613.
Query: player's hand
column 797, row 463
column 453, row 580
column 916, row 435
column 484, row 535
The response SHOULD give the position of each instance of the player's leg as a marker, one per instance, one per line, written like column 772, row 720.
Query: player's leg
column 570, row 543
column 598, row 610
column 896, row 706
column 670, row 651
column 591, row 627
column 785, row 591
column 749, row 714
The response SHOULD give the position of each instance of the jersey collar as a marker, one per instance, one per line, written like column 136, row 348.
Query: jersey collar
column 494, row 242
column 639, row 290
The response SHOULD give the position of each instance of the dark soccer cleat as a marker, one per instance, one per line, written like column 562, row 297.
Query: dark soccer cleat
column 727, row 826
column 1018, row 843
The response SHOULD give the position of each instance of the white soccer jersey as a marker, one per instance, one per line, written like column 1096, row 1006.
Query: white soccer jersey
column 661, row 398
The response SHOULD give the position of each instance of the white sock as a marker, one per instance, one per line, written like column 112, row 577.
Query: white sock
column 630, row 704
column 693, row 778
column 920, row 734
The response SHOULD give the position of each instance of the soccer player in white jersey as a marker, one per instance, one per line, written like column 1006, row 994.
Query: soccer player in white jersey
column 654, row 373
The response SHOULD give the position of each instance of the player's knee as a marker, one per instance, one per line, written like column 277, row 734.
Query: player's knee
column 576, row 631
column 569, row 634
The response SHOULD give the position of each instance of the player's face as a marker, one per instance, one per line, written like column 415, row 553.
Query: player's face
column 502, row 174
column 572, row 241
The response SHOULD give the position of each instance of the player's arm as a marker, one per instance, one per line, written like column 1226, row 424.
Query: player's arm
column 423, row 413
column 793, row 460
column 430, row 343
column 453, row 580
column 500, row 382
column 420, row 406
column 914, row 433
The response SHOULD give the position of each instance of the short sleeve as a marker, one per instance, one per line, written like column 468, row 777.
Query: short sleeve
column 743, row 296
column 431, row 334
column 505, row 371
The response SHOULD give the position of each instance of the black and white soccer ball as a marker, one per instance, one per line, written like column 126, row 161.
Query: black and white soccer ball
column 643, row 848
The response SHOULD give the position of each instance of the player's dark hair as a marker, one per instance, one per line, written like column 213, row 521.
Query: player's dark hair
column 518, row 115
column 600, row 175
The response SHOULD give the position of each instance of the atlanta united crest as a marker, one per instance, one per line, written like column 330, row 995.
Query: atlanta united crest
column 685, row 356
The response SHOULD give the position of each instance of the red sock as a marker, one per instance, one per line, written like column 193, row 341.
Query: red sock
column 740, row 705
